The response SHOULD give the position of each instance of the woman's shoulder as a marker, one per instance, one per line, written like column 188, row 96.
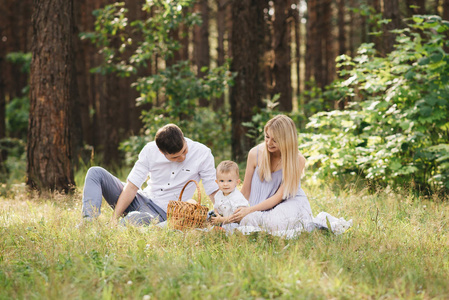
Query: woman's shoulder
column 258, row 148
column 253, row 155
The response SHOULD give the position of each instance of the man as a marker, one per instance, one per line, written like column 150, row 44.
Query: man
column 170, row 161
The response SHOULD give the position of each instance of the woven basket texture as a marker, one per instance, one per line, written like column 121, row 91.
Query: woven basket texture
column 182, row 215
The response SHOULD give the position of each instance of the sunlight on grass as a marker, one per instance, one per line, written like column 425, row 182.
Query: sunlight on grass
column 397, row 249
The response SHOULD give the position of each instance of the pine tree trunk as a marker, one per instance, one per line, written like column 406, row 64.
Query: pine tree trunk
column 419, row 7
column 297, row 19
column 391, row 11
column 49, row 142
column 247, row 50
column 281, row 46
column 352, row 24
column 311, row 37
column 201, row 43
column 2, row 109
column 341, row 27
column 218, row 103
column 328, row 39
column 446, row 10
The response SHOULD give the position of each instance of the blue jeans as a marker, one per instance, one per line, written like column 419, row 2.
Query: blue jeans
column 100, row 183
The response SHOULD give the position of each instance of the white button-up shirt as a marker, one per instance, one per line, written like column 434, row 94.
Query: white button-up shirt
column 167, row 178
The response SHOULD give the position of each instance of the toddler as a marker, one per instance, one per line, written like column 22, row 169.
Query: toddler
column 228, row 198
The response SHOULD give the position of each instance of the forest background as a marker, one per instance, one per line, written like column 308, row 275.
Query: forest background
column 365, row 81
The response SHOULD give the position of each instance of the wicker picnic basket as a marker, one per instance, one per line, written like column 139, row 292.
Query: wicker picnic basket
column 182, row 215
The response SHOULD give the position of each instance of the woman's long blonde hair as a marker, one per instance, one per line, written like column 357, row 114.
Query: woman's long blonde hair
column 283, row 131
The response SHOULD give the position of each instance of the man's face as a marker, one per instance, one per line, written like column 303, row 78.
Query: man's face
column 180, row 156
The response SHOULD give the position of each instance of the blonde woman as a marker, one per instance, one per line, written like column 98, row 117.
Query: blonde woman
column 272, row 184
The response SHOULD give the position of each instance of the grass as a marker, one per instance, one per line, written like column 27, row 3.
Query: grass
column 397, row 249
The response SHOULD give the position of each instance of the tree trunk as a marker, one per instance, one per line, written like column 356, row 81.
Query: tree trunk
column 201, row 43
column 218, row 103
column 281, row 46
column 352, row 24
column 328, row 39
column 419, row 7
column 391, row 11
column 247, row 39
column 311, row 36
column 446, row 10
column 341, row 27
column 317, row 41
column 2, row 109
column 49, row 142
column 297, row 27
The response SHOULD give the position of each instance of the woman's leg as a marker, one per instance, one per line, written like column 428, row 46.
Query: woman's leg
column 293, row 213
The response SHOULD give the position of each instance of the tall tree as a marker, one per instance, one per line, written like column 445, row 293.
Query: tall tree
column 392, row 13
column 201, row 42
column 416, row 7
column 281, row 46
column 297, row 26
column 49, row 143
column 247, row 50
column 328, row 42
column 341, row 27
column 446, row 9
column 221, row 32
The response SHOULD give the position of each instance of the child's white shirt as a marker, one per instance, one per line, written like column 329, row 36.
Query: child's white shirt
column 226, row 205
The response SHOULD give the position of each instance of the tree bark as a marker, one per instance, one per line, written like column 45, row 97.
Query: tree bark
column 328, row 39
column 297, row 20
column 218, row 103
column 201, row 43
column 247, row 50
column 341, row 27
column 420, row 7
column 281, row 46
column 391, row 11
column 446, row 10
column 49, row 141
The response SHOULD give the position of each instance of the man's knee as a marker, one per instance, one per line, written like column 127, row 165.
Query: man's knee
column 95, row 172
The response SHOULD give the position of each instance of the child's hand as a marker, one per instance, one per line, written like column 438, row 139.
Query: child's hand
column 217, row 220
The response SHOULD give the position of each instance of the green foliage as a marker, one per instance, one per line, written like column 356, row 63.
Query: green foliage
column 260, row 118
column 172, row 94
column 17, row 109
column 395, row 130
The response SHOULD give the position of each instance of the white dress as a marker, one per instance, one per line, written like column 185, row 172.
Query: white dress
column 290, row 217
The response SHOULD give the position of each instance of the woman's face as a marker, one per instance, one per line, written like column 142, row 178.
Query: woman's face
column 271, row 143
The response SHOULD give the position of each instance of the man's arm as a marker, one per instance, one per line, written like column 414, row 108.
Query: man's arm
column 125, row 199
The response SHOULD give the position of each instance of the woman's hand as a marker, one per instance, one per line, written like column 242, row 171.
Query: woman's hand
column 239, row 214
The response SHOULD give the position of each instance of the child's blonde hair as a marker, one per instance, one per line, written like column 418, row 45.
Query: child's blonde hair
column 283, row 131
column 228, row 166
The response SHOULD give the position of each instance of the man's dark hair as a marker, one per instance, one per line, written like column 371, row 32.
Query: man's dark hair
column 170, row 139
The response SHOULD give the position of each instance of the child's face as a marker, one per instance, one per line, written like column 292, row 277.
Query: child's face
column 227, row 182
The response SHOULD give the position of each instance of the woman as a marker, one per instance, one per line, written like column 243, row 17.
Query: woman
column 272, row 184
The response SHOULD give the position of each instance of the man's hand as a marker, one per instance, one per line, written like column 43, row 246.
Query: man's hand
column 124, row 200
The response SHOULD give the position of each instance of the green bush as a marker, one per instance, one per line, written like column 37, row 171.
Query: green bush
column 395, row 129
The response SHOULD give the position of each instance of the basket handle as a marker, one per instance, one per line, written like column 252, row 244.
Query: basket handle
column 197, row 189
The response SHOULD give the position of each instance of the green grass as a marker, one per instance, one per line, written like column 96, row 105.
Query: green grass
column 398, row 248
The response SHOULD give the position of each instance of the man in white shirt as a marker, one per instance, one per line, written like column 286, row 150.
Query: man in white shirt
column 170, row 161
